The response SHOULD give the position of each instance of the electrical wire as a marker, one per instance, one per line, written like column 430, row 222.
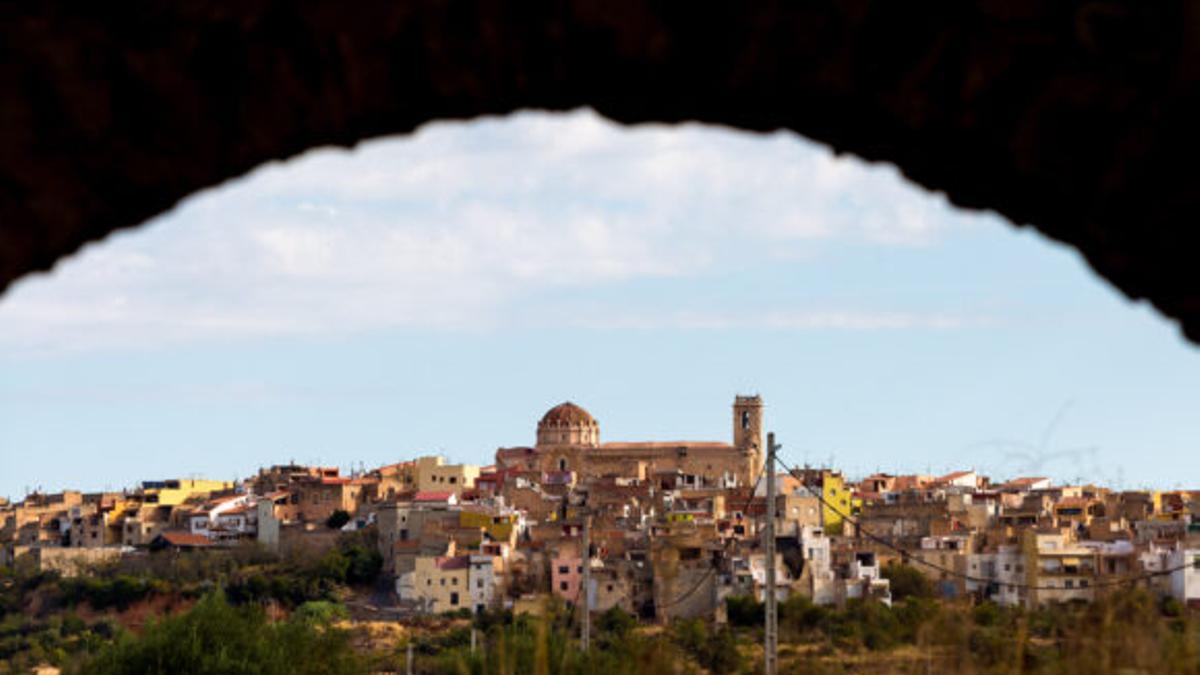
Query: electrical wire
column 713, row 563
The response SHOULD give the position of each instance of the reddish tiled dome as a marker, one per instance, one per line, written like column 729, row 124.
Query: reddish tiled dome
column 567, row 414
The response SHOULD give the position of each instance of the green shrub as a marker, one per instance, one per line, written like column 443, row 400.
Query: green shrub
column 215, row 637
column 337, row 519
column 798, row 615
column 320, row 612
column 986, row 614
column 102, row 593
column 616, row 622
column 715, row 650
column 743, row 610
column 907, row 582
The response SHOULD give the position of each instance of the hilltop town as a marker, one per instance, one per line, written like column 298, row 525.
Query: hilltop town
column 662, row 530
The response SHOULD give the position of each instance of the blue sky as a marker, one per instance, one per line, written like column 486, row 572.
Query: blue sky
column 437, row 293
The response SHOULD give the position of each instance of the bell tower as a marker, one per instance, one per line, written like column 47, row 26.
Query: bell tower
column 748, row 431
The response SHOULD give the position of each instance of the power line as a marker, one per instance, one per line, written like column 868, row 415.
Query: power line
column 955, row 573
column 713, row 563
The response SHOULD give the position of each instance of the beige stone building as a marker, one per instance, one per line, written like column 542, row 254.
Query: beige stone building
column 318, row 498
column 433, row 474
column 440, row 583
column 568, row 439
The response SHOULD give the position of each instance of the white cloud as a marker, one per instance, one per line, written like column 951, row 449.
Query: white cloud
column 454, row 226
column 855, row 320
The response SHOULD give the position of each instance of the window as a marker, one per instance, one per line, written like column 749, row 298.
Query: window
column 581, row 569
column 454, row 581
column 453, row 479
column 1196, row 563
column 442, row 581
column 429, row 582
column 454, row 599
column 1083, row 583
column 745, row 419
column 479, row 583
column 610, row 588
column 563, row 569
column 562, row 585
column 1070, row 583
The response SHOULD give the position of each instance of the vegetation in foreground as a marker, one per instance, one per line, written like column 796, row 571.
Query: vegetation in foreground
column 58, row 621
column 226, row 629
column 216, row 637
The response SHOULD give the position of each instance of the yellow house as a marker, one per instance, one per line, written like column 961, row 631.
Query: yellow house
column 499, row 528
column 434, row 475
column 440, row 583
column 177, row 491
column 837, row 501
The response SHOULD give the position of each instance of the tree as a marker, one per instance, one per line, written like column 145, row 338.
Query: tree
column 744, row 610
column 616, row 622
column 215, row 637
column 337, row 519
column 907, row 582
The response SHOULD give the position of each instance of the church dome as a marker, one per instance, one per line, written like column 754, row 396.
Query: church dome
column 568, row 423
column 565, row 414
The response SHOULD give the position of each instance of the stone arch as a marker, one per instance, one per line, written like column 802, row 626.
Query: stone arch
column 1070, row 116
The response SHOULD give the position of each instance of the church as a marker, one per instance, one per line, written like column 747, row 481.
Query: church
column 568, row 439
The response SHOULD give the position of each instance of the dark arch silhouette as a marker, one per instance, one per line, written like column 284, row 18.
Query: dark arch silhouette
column 1076, row 117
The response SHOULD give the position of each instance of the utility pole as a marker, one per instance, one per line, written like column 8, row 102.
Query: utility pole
column 771, row 629
column 409, row 670
column 585, row 637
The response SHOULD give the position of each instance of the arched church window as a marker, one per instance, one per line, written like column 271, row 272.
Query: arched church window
column 745, row 419
column 562, row 463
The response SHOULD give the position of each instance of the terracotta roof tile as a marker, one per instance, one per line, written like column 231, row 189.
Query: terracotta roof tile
column 665, row 445
column 459, row 562
column 186, row 539
column 431, row 496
